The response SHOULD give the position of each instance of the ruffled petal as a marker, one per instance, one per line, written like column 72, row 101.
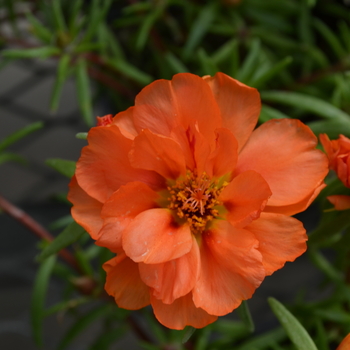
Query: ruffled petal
column 158, row 153
column 125, row 122
column 281, row 239
column 239, row 105
column 104, row 164
column 283, row 152
column 245, row 197
column 181, row 313
column 224, row 158
column 231, row 269
column 296, row 207
column 153, row 237
column 124, row 204
column 173, row 279
column 340, row 202
column 86, row 210
column 185, row 100
column 123, row 282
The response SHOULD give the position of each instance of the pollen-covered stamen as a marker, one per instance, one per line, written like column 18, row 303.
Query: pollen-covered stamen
column 194, row 199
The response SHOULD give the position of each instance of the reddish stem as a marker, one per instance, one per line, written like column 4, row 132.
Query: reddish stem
column 27, row 221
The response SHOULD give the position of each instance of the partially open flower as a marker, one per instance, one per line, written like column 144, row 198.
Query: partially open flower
column 338, row 153
column 195, row 202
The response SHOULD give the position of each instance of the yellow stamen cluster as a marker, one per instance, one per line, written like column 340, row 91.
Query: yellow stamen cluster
column 194, row 199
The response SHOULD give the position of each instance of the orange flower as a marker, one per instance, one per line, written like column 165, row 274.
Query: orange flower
column 194, row 201
column 345, row 344
column 338, row 153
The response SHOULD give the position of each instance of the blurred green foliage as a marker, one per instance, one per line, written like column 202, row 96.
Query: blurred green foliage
column 296, row 52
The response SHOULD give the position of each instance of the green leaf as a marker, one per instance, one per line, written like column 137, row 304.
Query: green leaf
column 11, row 157
column 331, row 38
column 98, row 11
column 83, row 262
column 267, row 75
column 337, row 224
column 39, row 29
column 130, row 71
column 61, row 76
column 66, row 305
column 188, row 334
column 250, row 62
column 64, row 167
column 82, row 323
column 325, row 266
column 264, row 341
column 17, row 135
column 84, row 94
column 268, row 113
column 307, row 103
column 208, row 66
column 296, row 332
column 37, row 52
column 332, row 127
column 175, row 63
column 199, row 29
column 39, row 296
column 246, row 316
column 81, row 135
column 147, row 24
column 58, row 16
column 108, row 338
column 225, row 52
column 68, row 236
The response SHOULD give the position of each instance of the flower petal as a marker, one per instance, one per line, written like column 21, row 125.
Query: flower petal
column 158, row 153
column 245, row 197
column 224, row 158
column 283, row 152
column 153, row 237
column 125, row 122
column 123, row 282
column 239, row 105
column 281, row 239
column 86, row 210
column 104, row 164
column 340, row 202
column 173, row 279
column 231, row 269
column 184, row 100
column 181, row 313
column 124, row 204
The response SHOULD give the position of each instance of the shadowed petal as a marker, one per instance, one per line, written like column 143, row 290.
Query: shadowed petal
column 231, row 269
column 245, row 197
column 124, row 204
column 86, row 210
column 158, row 153
column 283, row 152
column 104, row 164
column 123, row 282
column 172, row 279
column 153, row 237
column 239, row 105
column 281, row 239
column 181, row 313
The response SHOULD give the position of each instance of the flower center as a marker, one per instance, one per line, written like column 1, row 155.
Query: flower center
column 194, row 199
